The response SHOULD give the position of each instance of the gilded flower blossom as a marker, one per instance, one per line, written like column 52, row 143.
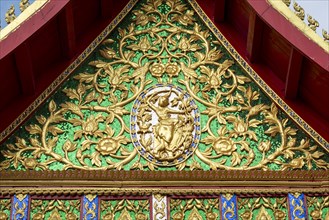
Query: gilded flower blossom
column 108, row 216
column 37, row 216
column 108, row 146
column 224, row 146
column 30, row 163
column 278, row 214
column 211, row 216
column 211, row 78
column 184, row 19
column 90, row 126
column 178, row 216
column 172, row 69
column 3, row 216
column 214, row 54
column 141, row 216
column 186, row 45
column 246, row 215
column 143, row 19
column 316, row 214
column 157, row 69
column 71, row 216
column 240, row 126
column 144, row 45
column 297, row 163
column 117, row 77
column 264, row 146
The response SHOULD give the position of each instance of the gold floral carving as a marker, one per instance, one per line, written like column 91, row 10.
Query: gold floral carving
column 5, row 206
column 318, row 207
column 191, row 208
column 125, row 209
column 248, row 207
column 169, row 76
column 52, row 209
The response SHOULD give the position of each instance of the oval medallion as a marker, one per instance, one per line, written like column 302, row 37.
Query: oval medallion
column 165, row 124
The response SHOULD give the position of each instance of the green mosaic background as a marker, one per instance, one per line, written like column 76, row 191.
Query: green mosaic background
column 240, row 123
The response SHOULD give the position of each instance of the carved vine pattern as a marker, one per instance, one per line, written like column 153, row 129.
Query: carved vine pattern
column 163, row 44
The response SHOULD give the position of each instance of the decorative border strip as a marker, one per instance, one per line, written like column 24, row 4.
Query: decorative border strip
column 195, row 175
column 140, row 191
column 297, row 206
column 19, row 208
column 90, row 207
column 260, row 82
column 67, row 72
column 228, row 206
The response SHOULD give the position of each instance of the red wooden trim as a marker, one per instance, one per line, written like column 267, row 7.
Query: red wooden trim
column 293, row 74
column 254, row 40
column 67, row 31
column 25, row 69
column 219, row 10
column 290, row 32
column 107, row 7
column 30, row 26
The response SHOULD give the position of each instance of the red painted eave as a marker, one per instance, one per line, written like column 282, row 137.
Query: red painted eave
column 31, row 26
column 290, row 32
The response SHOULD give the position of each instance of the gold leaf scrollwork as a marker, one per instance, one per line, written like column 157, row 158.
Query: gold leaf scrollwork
column 319, row 207
column 54, row 209
column 161, row 92
column 248, row 207
column 125, row 209
column 194, row 208
column 5, row 207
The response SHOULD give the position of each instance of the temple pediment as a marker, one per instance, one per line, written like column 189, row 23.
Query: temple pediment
column 161, row 117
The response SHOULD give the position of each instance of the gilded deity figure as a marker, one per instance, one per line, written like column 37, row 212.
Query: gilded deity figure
column 173, row 130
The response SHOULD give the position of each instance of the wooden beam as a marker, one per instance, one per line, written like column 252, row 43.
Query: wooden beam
column 25, row 69
column 67, row 31
column 293, row 74
column 106, row 8
column 219, row 11
column 254, row 40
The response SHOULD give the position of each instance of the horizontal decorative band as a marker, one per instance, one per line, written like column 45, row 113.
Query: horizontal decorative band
column 196, row 175
column 43, row 191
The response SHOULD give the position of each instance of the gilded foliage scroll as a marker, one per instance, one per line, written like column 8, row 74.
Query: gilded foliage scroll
column 161, row 92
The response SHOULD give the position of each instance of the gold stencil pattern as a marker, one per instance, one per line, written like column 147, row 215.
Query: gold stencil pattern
column 194, row 209
column 55, row 209
column 318, row 207
column 125, row 209
column 262, row 208
column 5, row 207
